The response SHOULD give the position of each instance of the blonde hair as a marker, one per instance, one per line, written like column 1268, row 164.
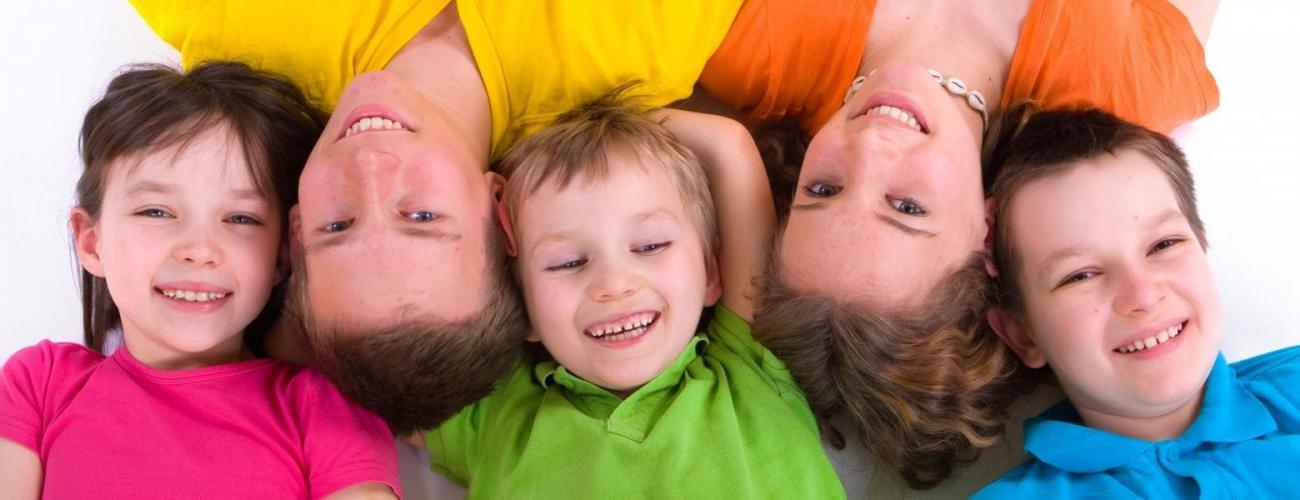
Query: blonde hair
column 581, row 143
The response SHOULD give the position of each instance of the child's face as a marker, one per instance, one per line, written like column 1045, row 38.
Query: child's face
column 188, row 247
column 614, row 275
column 1108, row 262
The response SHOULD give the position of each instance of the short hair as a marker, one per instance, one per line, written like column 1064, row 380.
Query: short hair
column 581, row 144
column 152, row 107
column 925, row 389
column 1033, row 144
column 419, row 371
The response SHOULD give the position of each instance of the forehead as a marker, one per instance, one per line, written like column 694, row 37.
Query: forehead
column 1090, row 200
column 213, row 155
column 626, row 188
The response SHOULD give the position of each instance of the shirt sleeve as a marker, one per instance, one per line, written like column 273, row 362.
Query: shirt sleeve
column 22, row 395
column 1274, row 378
column 453, row 444
column 343, row 443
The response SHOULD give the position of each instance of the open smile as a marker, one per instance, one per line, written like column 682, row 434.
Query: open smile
column 1152, row 341
column 626, row 328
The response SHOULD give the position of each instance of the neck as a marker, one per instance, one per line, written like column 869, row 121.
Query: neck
column 955, row 38
column 1156, row 428
column 439, row 64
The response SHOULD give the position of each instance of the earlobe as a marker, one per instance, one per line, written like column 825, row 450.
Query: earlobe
column 713, row 289
column 1009, row 329
column 533, row 336
column 507, row 227
column 990, row 211
column 85, row 240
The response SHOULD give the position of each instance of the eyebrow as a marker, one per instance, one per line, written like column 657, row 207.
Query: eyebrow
column 909, row 230
column 151, row 187
column 1074, row 250
column 348, row 237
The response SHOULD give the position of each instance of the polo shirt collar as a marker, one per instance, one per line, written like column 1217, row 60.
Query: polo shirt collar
column 550, row 374
column 1229, row 414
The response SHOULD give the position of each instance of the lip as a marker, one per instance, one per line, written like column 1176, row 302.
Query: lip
column 1152, row 331
column 372, row 110
column 897, row 101
column 196, row 286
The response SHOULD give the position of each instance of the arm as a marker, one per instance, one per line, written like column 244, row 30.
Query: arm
column 741, row 195
column 363, row 491
column 20, row 471
column 1200, row 13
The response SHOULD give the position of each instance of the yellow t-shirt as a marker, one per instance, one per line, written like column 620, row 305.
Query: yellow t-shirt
column 537, row 58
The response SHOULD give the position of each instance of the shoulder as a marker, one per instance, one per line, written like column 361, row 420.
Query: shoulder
column 54, row 357
column 1282, row 362
column 1035, row 479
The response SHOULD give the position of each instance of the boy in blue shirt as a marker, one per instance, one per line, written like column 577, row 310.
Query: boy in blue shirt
column 1103, row 277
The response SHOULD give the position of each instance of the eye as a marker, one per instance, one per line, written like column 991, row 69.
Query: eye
column 652, row 248
column 821, row 190
column 1078, row 277
column 907, row 206
column 243, row 219
column 567, row 266
column 1164, row 244
column 420, row 216
column 336, row 226
column 154, row 213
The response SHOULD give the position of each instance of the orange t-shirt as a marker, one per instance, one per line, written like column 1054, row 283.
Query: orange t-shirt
column 1138, row 59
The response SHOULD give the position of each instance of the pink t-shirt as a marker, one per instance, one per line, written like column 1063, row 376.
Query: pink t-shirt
column 112, row 427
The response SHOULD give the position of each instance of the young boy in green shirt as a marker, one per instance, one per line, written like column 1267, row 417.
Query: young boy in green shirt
column 618, row 252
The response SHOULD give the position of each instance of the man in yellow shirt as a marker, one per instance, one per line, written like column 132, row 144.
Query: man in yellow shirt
column 398, row 274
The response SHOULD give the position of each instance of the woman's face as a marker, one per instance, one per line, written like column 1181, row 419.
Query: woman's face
column 889, row 197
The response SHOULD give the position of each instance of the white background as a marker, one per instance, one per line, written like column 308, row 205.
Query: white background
column 58, row 55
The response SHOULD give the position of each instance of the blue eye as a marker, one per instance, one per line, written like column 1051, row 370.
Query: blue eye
column 243, row 219
column 821, row 190
column 420, row 216
column 154, row 213
column 907, row 206
column 652, row 248
column 336, row 226
column 567, row 266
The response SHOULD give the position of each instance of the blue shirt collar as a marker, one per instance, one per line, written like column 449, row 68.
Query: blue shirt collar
column 1229, row 414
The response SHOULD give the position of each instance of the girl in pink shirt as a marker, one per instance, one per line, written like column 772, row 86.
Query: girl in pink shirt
column 179, row 229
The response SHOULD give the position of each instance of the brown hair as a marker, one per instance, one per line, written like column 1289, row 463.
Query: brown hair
column 151, row 107
column 925, row 389
column 418, row 372
column 1032, row 144
column 580, row 145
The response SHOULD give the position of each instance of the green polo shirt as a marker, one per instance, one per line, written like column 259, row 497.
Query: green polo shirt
column 724, row 420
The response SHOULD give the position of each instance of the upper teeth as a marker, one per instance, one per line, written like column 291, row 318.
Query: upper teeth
column 630, row 323
column 373, row 122
column 193, row 296
column 1153, row 340
column 901, row 115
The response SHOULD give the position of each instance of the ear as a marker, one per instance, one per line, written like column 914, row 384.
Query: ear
column 533, row 336
column 498, row 185
column 1015, row 336
column 291, row 248
column 713, row 288
column 85, row 240
column 990, row 215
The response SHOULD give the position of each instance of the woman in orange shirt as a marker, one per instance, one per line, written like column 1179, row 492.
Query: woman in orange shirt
column 875, row 296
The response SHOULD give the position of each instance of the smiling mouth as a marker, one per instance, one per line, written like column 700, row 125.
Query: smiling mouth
column 627, row 328
column 192, row 296
column 375, row 123
column 1150, row 342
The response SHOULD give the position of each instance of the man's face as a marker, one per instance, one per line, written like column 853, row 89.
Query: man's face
column 394, row 210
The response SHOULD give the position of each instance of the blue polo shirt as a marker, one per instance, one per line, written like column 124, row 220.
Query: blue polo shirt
column 1245, row 443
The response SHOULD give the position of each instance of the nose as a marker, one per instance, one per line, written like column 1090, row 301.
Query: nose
column 199, row 246
column 1138, row 292
column 372, row 172
column 613, row 282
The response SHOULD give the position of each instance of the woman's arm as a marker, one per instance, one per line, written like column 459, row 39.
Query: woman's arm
column 20, row 471
column 741, row 195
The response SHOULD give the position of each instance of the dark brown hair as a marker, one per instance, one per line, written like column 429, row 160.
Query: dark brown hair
column 151, row 107
column 419, row 371
column 1032, row 144
column 580, row 144
column 925, row 389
